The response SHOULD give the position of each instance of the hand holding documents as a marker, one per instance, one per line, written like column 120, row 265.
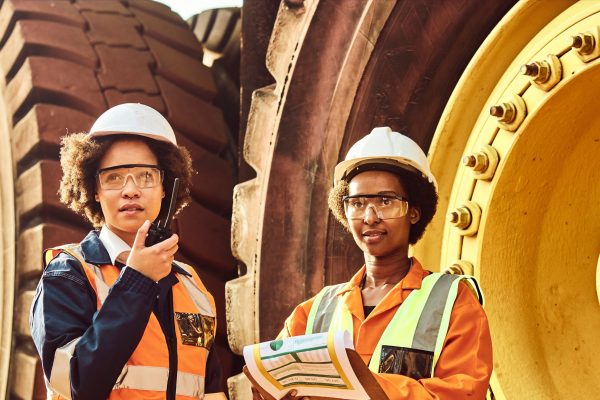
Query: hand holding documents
column 322, row 365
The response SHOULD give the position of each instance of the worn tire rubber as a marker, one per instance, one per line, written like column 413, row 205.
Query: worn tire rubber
column 219, row 31
column 65, row 62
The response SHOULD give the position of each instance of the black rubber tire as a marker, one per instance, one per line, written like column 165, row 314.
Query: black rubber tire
column 219, row 31
column 65, row 62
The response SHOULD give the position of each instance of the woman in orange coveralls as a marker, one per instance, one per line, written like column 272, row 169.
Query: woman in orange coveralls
column 424, row 335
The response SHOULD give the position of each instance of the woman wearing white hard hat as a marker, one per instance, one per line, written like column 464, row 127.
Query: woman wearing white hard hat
column 423, row 335
column 115, row 316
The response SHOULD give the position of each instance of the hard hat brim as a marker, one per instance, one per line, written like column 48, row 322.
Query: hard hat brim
column 148, row 135
column 344, row 169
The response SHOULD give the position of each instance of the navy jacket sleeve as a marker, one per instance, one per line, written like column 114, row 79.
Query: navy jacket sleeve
column 64, row 308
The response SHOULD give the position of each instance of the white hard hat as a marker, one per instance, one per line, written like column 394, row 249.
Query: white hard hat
column 134, row 119
column 384, row 147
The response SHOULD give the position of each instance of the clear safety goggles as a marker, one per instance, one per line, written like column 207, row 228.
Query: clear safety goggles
column 385, row 206
column 144, row 176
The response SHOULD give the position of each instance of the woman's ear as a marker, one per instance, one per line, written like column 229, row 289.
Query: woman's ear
column 414, row 214
column 97, row 198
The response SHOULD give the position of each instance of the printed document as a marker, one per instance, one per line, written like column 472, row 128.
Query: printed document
column 315, row 365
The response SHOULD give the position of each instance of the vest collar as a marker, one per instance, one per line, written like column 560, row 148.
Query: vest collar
column 94, row 252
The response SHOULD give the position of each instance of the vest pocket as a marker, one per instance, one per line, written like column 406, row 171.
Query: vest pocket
column 196, row 329
column 413, row 363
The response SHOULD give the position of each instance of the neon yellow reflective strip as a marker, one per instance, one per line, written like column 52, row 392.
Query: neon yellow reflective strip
column 342, row 319
column 313, row 311
column 401, row 329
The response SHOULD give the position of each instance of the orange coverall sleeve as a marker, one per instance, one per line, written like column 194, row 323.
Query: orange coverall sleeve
column 465, row 364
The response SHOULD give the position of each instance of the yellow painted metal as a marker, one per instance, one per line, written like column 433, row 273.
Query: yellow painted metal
column 470, row 96
column 598, row 279
column 536, row 248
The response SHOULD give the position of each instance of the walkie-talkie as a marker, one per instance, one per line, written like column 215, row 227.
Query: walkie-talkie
column 157, row 232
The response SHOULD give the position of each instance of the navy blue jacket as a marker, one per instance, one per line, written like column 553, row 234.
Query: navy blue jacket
column 65, row 308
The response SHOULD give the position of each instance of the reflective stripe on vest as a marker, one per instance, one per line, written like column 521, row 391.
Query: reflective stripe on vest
column 132, row 377
column 421, row 322
column 155, row 379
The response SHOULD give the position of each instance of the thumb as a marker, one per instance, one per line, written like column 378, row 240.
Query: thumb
column 140, row 236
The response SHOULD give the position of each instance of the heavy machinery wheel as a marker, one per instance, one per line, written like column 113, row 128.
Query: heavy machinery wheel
column 63, row 63
column 532, row 238
column 535, row 245
column 340, row 68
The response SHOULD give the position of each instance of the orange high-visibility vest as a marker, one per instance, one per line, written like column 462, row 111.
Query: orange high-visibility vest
column 146, row 372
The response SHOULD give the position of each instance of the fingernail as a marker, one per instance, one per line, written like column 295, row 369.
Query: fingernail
column 293, row 392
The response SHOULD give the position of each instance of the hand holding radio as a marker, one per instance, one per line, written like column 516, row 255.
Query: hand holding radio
column 155, row 245
column 157, row 232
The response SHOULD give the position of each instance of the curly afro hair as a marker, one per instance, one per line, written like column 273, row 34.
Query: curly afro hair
column 421, row 194
column 80, row 157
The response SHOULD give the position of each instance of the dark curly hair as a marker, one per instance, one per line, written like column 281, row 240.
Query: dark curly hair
column 80, row 157
column 421, row 194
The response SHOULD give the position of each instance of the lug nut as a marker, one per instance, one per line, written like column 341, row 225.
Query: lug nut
column 530, row 69
column 461, row 218
column 469, row 161
column 539, row 71
column 478, row 161
column 505, row 112
column 584, row 43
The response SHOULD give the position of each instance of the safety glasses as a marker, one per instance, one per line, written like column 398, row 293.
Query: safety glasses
column 144, row 176
column 385, row 206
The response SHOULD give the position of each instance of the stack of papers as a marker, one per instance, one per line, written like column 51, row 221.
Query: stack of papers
column 315, row 365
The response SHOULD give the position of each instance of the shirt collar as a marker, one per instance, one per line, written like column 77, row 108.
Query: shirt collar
column 412, row 280
column 113, row 244
column 96, row 250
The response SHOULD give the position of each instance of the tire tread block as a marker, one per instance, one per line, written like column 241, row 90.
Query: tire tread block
column 220, row 33
column 201, row 25
column 33, row 241
column 57, row 11
column 103, row 6
column 48, row 39
column 157, row 9
column 54, row 81
column 201, row 121
column 205, row 237
column 174, row 35
column 115, row 97
column 27, row 377
column 114, row 30
column 213, row 183
column 176, row 66
column 44, row 125
column 24, row 302
column 36, row 193
column 125, row 69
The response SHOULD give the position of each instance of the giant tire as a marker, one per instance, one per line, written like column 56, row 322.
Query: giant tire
column 62, row 64
column 535, row 247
